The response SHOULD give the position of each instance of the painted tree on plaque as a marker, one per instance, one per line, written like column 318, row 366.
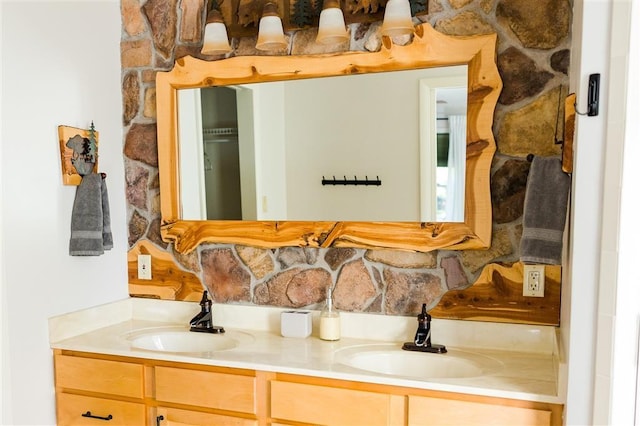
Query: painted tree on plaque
column 304, row 13
column 418, row 6
column 92, row 148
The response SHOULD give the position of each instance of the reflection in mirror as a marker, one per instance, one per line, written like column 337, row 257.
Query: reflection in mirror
column 265, row 148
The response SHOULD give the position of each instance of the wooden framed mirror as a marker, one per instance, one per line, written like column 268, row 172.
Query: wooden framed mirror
column 427, row 50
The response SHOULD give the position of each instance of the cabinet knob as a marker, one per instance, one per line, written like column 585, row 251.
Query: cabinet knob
column 159, row 419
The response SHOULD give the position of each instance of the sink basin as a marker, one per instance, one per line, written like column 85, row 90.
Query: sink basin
column 184, row 341
column 393, row 361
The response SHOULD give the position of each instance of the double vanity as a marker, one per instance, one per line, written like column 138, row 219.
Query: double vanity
column 136, row 362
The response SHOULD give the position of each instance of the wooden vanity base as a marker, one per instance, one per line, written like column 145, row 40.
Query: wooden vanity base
column 136, row 391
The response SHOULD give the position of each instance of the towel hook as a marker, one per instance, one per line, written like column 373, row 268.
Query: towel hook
column 593, row 96
column 555, row 136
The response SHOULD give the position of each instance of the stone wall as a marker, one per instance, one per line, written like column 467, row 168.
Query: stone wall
column 533, row 59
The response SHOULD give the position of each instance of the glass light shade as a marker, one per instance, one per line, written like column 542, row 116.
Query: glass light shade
column 216, row 41
column 270, row 34
column 397, row 18
column 332, row 29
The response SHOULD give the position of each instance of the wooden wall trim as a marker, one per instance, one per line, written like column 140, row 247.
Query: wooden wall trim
column 497, row 296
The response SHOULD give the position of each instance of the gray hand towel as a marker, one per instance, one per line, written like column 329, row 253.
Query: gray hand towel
column 545, row 210
column 90, row 220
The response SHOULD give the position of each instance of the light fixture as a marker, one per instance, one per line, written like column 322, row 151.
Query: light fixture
column 216, row 41
column 332, row 29
column 270, row 31
column 397, row 18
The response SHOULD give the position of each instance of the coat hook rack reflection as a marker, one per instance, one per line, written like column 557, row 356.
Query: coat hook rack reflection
column 354, row 181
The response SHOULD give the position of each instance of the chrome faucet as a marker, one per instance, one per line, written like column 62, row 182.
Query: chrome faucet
column 203, row 322
column 422, row 340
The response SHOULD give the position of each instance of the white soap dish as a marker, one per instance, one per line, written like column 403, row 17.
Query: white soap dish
column 295, row 324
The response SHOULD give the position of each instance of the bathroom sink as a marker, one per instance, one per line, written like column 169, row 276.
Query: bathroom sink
column 393, row 361
column 184, row 341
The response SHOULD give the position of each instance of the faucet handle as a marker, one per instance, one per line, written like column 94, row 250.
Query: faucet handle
column 424, row 317
column 205, row 301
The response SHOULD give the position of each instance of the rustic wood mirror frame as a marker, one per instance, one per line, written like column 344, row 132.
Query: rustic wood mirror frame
column 428, row 49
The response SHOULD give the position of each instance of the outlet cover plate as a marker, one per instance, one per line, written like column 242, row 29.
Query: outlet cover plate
column 533, row 281
column 144, row 266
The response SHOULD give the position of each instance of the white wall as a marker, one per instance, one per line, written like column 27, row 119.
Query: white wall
column 590, row 47
column 268, row 149
column 619, row 295
column 4, row 358
column 193, row 196
column 600, row 310
column 61, row 66
column 377, row 136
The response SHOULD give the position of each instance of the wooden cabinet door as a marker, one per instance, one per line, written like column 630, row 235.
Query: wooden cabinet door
column 443, row 412
column 208, row 389
column 99, row 375
column 76, row 410
column 326, row 405
column 177, row 417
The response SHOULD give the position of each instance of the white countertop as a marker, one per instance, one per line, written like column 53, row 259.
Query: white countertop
column 527, row 356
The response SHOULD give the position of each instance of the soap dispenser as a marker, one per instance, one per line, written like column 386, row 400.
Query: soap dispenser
column 329, row 320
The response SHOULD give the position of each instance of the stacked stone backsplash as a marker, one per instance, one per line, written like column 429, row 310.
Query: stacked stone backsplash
column 533, row 59
column 377, row 281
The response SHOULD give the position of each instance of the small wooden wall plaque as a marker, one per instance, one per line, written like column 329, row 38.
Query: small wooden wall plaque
column 69, row 138
column 569, row 131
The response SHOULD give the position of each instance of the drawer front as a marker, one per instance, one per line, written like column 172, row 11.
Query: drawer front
column 206, row 389
column 329, row 406
column 177, row 417
column 438, row 411
column 97, row 375
column 70, row 410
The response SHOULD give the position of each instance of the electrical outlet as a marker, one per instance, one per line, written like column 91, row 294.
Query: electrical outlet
column 533, row 283
column 144, row 266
